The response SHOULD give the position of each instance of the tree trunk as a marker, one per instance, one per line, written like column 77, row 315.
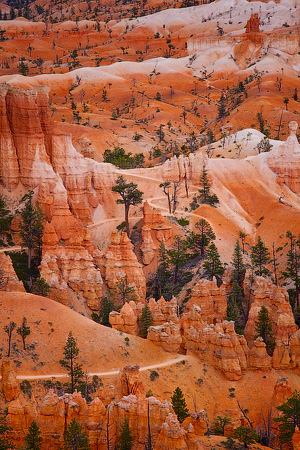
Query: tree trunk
column 127, row 219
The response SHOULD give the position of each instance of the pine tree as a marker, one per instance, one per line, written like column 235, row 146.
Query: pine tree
column 201, row 240
column 130, row 196
column 5, row 429
column 236, row 309
column 24, row 331
column 9, row 330
column 245, row 435
column 124, row 292
column 179, row 405
column 242, row 237
column 75, row 437
column 263, row 328
column 70, row 363
column 33, row 439
column 238, row 265
column 220, row 424
column 205, row 196
column 178, row 256
column 212, row 264
column 146, row 320
column 260, row 256
column 163, row 273
column 222, row 103
column 126, row 440
column 289, row 418
column 107, row 306
column 31, row 229
column 41, row 287
column 5, row 220
column 292, row 270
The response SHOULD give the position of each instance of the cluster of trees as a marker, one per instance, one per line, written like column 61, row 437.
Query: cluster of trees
column 115, row 299
column 173, row 270
column 123, row 160
column 23, row 330
column 31, row 225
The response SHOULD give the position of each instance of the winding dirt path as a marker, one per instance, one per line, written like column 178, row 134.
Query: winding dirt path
column 106, row 374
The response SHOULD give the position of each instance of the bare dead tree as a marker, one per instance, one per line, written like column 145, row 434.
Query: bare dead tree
column 148, row 444
column 166, row 189
column 267, row 426
column 176, row 187
column 244, row 411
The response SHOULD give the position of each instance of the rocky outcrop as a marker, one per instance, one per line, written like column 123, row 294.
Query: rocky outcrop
column 275, row 299
column 172, row 435
column 287, row 354
column 136, row 410
column 177, row 169
column 147, row 248
column 10, row 385
column 120, row 262
column 163, row 311
column 8, row 278
column 25, row 136
column 219, row 346
column 69, row 269
column 167, row 336
column 198, row 422
column 296, row 439
column 130, row 381
column 211, row 299
column 258, row 357
column 126, row 320
column 282, row 391
column 285, row 161
column 252, row 25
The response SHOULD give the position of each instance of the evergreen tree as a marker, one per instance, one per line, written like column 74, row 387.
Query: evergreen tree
column 238, row 265
column 126, row 440
column 9, row 330
column 220, row 424
column 124, row 292
column 178, row 256
column 75, row 437
column 179, row 405
column 107, row 306
column 31, row 229
column 260, row 256
column 292, row 270
column 263, row 328
column 201, row 240
column 205, row 196
column 5, row 220
column 70, row 363
column 5, row 429
column 33, row 439
column 245, row 435
column 130, row 196
column 290, row 417
column 222, row 104
column 242, row 237
column 161, row 279
column 236, row 309
column 146, row 320
column 24, row 331
column 41, row 287
column 212, row 264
